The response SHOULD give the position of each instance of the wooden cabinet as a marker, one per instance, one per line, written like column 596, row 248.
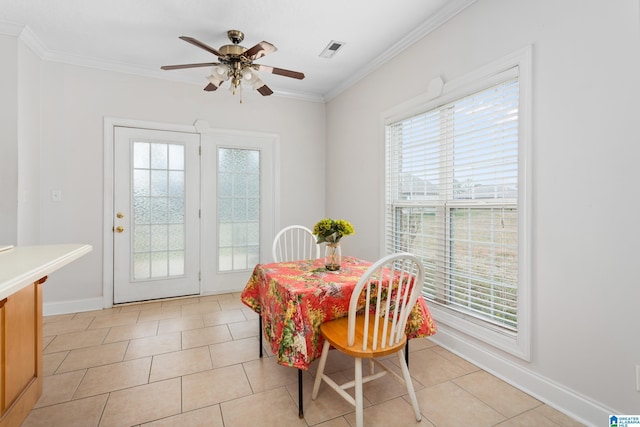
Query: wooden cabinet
column 20, row 353
column 23, row 270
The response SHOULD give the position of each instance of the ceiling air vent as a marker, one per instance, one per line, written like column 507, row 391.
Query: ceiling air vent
column 332, row 48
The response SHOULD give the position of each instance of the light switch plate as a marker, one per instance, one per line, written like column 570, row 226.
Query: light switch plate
column 56, row 195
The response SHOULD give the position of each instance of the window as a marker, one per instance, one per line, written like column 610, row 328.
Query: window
column 159, row 203
column 238, row 208
column 455, row 198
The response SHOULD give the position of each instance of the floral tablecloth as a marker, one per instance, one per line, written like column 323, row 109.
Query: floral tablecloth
column 295, row 298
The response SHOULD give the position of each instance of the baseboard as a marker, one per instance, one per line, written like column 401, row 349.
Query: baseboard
column 559, row 397
column 73, row 306
column 217, row 291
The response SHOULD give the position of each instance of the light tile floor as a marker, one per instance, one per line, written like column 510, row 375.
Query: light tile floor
column 194, row 362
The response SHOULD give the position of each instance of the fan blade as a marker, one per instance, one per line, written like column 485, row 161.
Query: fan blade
column 177, row 67
column 210, row 87
column 265, row 90
column 281, row 72
column 201, row 45
column 258, row 51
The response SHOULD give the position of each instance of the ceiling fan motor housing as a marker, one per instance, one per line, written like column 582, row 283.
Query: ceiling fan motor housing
column 232, row 50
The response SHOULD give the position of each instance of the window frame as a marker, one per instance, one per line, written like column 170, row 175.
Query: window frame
column 516, row 343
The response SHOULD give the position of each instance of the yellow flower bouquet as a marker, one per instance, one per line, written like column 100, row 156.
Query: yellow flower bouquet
column 331, row 230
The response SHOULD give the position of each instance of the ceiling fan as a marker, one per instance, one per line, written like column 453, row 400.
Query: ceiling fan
column 236, row 64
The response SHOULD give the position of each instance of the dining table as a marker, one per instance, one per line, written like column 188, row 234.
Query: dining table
column 294, row 298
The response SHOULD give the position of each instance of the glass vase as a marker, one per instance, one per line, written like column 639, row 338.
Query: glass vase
column 332, row 256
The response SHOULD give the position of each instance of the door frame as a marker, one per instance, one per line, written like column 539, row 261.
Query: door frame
column 201, row 127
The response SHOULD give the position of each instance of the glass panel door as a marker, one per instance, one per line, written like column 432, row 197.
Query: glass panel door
column 156, row 233
column 238, row 209
column 158, row 210
column 238, row 206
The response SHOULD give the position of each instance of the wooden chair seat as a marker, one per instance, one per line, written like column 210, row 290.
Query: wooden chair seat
column 335, row 331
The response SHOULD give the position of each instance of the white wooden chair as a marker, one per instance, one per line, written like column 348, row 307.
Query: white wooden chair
column 293, row 243
column 376, row 328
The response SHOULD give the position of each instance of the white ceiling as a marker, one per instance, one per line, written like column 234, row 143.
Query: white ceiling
column 138, row 36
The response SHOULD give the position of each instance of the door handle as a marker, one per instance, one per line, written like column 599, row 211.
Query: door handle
column 119, row 229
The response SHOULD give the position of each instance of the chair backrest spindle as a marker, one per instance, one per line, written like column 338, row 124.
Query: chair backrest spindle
column 397, row 283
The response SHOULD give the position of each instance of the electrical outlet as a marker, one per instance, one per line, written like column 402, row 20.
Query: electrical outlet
column 638, row 377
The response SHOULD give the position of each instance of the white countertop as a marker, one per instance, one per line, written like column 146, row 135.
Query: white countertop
column 22, row 265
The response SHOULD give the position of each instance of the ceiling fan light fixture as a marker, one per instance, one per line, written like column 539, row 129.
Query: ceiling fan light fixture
column 219, row 74
column 215, row 80
column 222, row 71
column 248, row 74
column 257, row 83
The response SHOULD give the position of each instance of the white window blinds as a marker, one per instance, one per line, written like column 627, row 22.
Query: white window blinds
column 452, row 200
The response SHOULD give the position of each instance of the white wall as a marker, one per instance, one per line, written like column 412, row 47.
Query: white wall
column 586, row 146
column 8, row 140
column 28, row 147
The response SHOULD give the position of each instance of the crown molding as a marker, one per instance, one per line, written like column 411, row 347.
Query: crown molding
column 300, row 96
column 25, row 34
column 10, row 28
column 82, row 61
column 31, row 40
column 34, row 43
column 451, row 9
